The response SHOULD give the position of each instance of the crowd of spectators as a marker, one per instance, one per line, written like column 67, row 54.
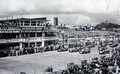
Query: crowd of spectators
column 8, row 25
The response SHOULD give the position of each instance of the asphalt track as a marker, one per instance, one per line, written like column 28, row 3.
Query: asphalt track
column 36, row 63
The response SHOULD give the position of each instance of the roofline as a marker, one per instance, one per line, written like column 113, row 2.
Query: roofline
column 22, row 19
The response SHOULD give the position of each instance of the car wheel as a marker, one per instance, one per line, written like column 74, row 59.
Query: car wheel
column 70, row 51
column 80, row 52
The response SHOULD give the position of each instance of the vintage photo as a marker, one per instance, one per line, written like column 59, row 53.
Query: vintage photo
column 59, row 36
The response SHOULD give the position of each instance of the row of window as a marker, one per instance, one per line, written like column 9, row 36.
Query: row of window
column 48, row 34
column 32, row 34
column 25, row 35
column 38, row 44
column 8, row 35
column 33, row 23
column 39, row 34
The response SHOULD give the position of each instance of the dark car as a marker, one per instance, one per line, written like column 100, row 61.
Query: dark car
column 114, row 45
column 26, row 51
column 85, row 50
column 91, row 45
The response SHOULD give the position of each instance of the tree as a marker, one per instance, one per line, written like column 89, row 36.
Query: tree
column 106, row 25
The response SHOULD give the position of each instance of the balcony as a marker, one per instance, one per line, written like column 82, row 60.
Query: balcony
column 50, row 38
column 10, row 40
column 40, row 39
column 34, row 39
column 31, row 39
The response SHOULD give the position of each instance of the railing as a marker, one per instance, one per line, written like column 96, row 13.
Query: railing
column 20, row 40
column 27, row 39
column 51, row 38
column 10, row 40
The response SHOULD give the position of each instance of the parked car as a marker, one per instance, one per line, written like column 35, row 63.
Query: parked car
column 85, row 50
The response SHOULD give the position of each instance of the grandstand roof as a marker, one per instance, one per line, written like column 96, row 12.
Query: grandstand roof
column 43, row 19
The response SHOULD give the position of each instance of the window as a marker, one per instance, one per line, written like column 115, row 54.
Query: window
column 33, row 23
column 26, row 45
column 39, row 23
column 39, row 44
column 32, row 34
column 39, row 34
column 26, row 35
column 21, row 22
column 26, row 23
column 44, row 23
column 32, row 44
column 47, row 34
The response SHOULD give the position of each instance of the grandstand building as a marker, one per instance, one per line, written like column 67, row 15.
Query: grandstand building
column 26, row 32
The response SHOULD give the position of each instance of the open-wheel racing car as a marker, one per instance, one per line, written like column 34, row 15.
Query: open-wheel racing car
column 63, row 48
column 103, row 50
column 85, row 50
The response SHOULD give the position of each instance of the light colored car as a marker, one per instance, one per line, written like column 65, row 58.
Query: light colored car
column 85, row 50
column 103, row 50
column 74, row 49
column 57, row 46
column 65, row 48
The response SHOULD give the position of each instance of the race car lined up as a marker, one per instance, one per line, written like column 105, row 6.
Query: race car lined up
column 84, row 50
column 114, row 44
column 63, row 48
column 103, row 50
column 75, row 49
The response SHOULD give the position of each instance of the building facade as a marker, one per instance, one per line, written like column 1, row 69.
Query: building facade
column 25, row 33
column 55, row 21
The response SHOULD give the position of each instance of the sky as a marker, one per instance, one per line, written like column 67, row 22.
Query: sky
column 73, row 12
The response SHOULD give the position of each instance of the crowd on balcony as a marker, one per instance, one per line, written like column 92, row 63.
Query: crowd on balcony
column 8, row 25
column 49, row 34
column 9, row 35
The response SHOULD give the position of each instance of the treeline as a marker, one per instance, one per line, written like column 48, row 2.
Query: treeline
column 106, row 26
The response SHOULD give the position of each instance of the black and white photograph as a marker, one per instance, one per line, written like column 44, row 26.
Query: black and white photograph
column 59, row 36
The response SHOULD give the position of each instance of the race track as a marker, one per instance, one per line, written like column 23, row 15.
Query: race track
column 36, row 63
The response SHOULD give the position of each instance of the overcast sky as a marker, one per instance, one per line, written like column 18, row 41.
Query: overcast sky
column 68, row 11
